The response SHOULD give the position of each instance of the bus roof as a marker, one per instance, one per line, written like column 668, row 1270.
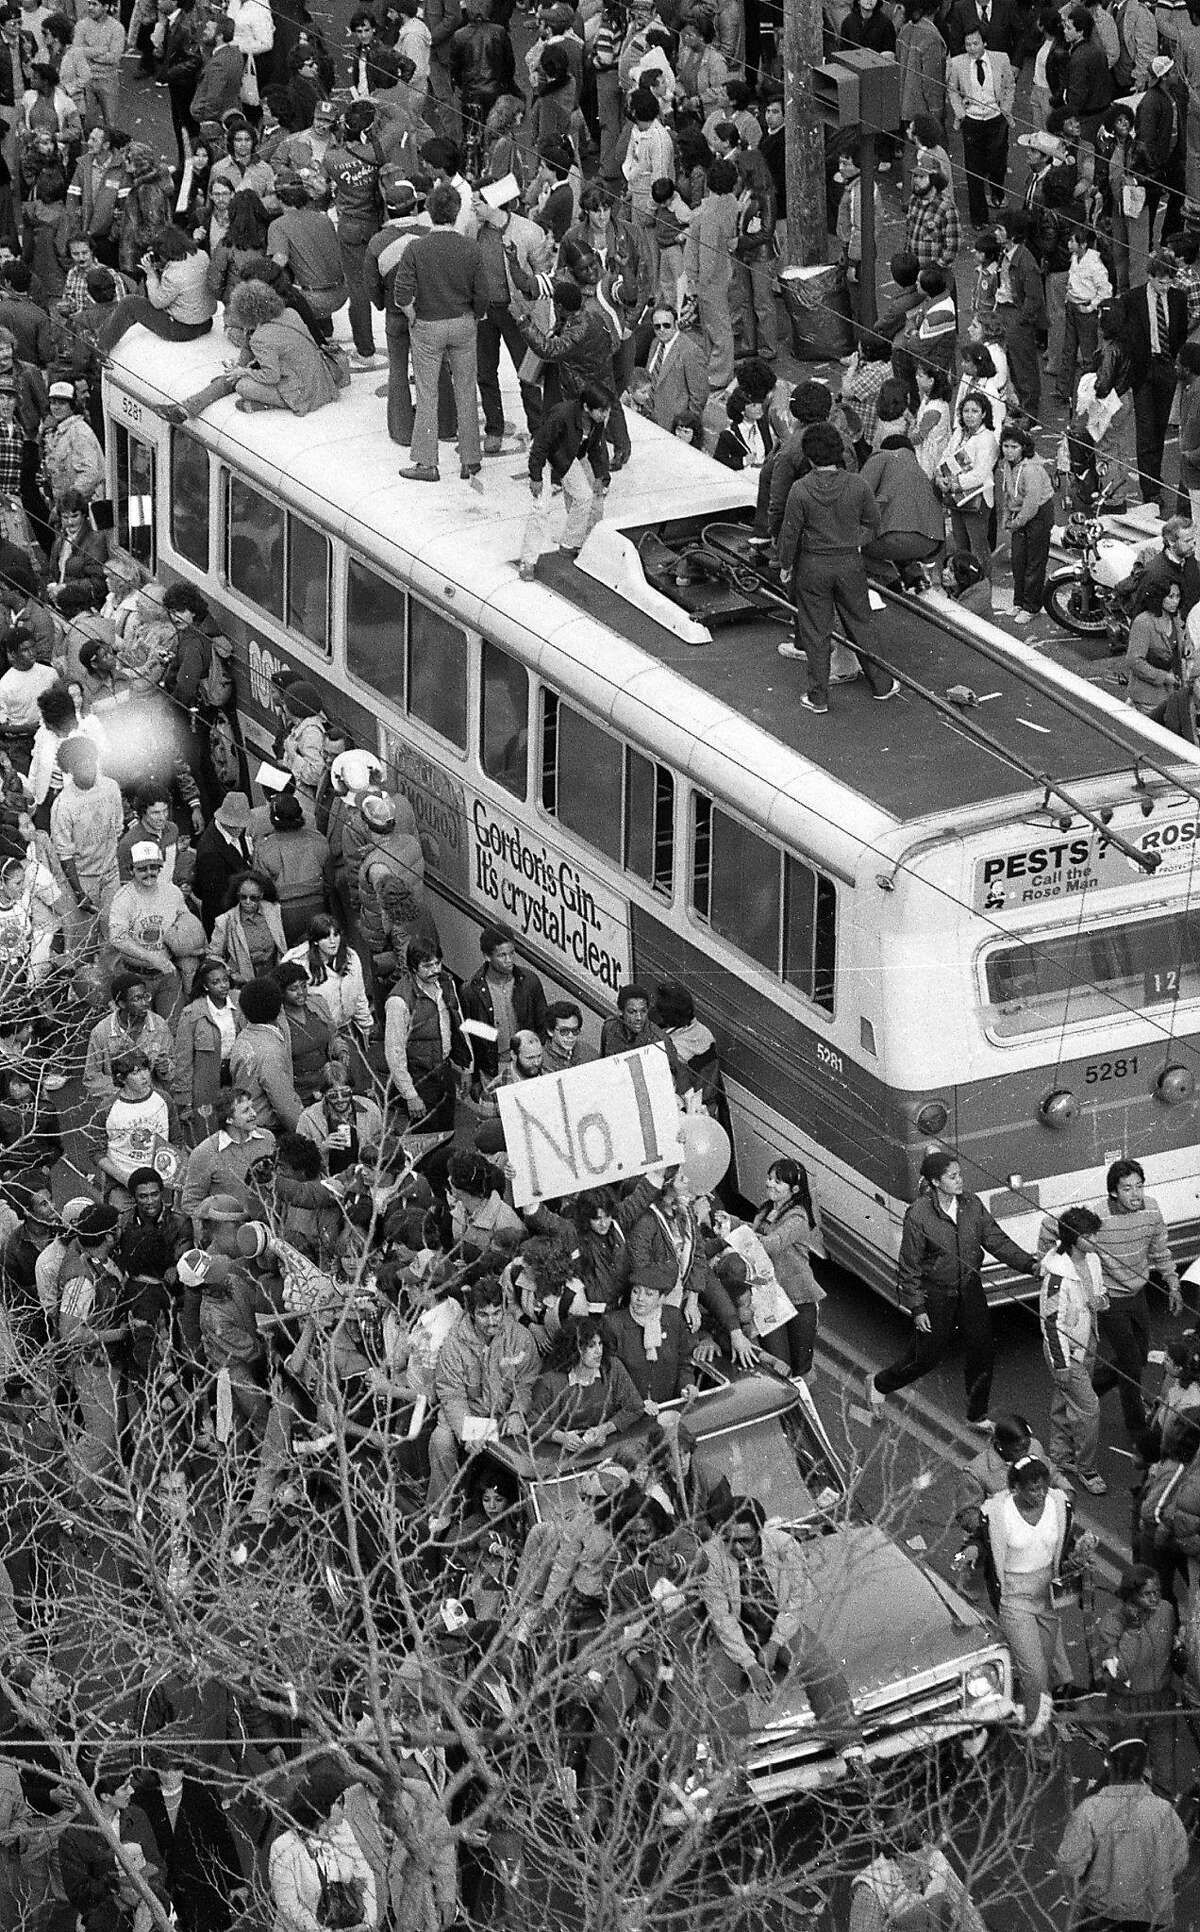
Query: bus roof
column 869, row 770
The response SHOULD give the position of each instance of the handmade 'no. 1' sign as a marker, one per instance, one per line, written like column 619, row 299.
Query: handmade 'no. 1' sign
column 591, row 1126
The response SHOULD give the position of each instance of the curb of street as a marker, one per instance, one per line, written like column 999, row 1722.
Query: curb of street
column 916, row 1413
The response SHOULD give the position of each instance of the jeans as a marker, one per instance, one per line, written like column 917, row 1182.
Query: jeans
column 755, row 303
column 716, row 323
column 401, row 416
column 585, row 507
column 963, row 1309
column 1074, row 1418
column 1125, row 1339
column 1030, row 555
column 499, row 325
column 452, row 341
column 1080, row 347
column 824, row 587
column 352, row 242
column 1024, row 364
column 970, row 531
column 1030, row 1627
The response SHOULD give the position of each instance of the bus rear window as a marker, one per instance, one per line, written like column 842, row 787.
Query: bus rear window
column 777, row 909
column 375, row 629
column 189, row 499
column 1093, row 973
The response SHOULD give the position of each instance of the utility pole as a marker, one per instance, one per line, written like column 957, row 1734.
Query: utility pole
column 804, row 134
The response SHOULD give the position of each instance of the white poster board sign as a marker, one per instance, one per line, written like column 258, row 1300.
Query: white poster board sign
column 591, row 1126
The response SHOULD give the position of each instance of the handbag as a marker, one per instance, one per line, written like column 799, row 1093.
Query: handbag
column 1133, row 199
column 248, row 90
column 341, row 1903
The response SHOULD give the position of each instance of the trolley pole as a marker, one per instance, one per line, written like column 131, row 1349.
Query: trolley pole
column 804, row 134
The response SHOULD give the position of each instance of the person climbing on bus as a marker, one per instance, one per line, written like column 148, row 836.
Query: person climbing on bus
column 946, row 1234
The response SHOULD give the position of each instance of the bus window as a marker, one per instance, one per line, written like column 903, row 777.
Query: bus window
column 375, row 628
column 649, row 821
column 503, row 719
column 437, row 673
column 308, row 582
column 1097, row 973
column 582, row 776
column 135, row 497
column 735, row 883
column 189, row 499
column 809, row 932
column 254, row 547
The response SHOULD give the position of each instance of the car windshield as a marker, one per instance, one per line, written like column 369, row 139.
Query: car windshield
column 778, row 1461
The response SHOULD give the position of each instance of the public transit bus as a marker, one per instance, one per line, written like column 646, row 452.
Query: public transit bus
column 964, row 920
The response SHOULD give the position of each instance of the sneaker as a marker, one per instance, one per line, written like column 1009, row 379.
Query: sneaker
column 359, row 362
column 527, row 572
column 881, row 697
column 818, row 710
column 789, row 650
column 982, row 1425
column 421, row 473
column 1092, row 1481
column 876, row 1399
column 1020, row 616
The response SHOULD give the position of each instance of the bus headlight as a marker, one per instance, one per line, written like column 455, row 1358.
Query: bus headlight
column 932, row 1119
column 1174, row 1085
column 1059, row 1108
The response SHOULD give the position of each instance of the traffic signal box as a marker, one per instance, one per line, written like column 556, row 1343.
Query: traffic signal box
column 859, row 89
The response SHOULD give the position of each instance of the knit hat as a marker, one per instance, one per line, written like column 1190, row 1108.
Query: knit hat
column 935, row 1163
column 97, row 1221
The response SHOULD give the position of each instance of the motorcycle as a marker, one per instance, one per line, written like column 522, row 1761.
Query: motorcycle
column 1084, row 596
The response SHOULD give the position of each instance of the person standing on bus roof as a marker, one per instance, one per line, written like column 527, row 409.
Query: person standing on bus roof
column 441, row 287
column 504, row 995
column 830, row 515
column 1132, row 1244
column 946, row 1234
column 572, row 439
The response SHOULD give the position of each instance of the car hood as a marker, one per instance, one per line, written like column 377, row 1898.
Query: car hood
column 879, row 1615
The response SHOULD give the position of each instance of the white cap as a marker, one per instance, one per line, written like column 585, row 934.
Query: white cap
column 353, row 771
column 144, row 851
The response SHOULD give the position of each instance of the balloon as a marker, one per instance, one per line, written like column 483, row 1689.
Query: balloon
column 706, row 1153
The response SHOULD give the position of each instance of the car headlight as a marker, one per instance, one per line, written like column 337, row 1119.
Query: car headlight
column 984, row 1681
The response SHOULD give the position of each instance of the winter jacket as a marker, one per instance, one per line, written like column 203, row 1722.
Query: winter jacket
column 1172, row 1504
column 413, row 1043
column 529, row 1012
column 480, row 60
column 829, row 513
column 655, row 1263
column 937, row 1255
column 559, row 1403
column 289, row 370
column 1125, row 1848
column 721, row 1591
column 220, row 85
column 228, row 941
column 788, row 1240
column 198, row 1058
column 665, row 1377
column 906, row 498
column 297, row 1863
column 261, row 1062
column 485, row 1380
column 1071, row 1294
column 602, row 1261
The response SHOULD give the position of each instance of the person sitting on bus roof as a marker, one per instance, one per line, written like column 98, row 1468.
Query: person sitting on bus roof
column 178, row 304
column 281, row 366
column 504, row 995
